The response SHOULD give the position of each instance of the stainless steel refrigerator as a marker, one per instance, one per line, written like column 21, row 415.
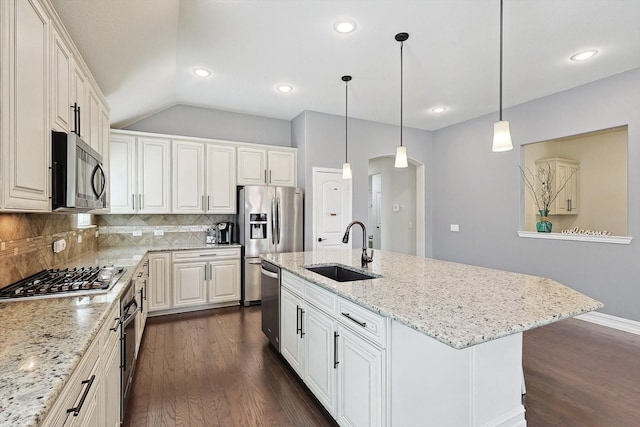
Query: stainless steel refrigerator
column 269, row 221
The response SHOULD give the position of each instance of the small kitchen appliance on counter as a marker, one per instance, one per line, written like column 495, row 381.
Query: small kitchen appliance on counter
column 224, row 231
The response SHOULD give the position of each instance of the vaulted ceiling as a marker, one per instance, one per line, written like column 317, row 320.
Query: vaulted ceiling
column 142, row 53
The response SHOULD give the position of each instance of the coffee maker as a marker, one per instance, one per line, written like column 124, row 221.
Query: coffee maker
column 224, row 231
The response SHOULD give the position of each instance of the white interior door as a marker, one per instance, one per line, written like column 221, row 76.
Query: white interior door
column 331, row 208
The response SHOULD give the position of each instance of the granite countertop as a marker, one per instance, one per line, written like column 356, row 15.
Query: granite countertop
column 457, row 304
column 42, row 340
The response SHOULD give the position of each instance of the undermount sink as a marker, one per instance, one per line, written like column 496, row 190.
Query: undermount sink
column 340, row 273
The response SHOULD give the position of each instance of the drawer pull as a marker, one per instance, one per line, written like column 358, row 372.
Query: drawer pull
column 117, row 326
column 348, row 316
column 78, row 408
column 207, row 254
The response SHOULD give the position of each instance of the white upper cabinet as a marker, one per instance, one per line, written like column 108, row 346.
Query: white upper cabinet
column 139, row 170
column 78, row 99
column 24, row 123
column 61, row 99
column 267, row 167
column 282, row 168
column 252, row 166
column 153, row 176
column 41, row 76
column 188, row 177
column 221, row 179
column 92, row 114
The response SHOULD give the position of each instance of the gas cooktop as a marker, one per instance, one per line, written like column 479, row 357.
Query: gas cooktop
column 58, row 283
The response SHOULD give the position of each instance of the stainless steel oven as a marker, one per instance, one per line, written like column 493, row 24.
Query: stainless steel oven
column 128, row 314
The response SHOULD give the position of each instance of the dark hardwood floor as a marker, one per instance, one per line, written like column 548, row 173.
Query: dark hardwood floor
column 583, row 375
column 215, row 368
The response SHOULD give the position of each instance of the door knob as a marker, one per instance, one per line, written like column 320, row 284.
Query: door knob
column 320, row 239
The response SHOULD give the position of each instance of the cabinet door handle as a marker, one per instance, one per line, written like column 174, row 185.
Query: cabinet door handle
column 78, row 408
column 301, row 324
column 210, row 271
column 208, row 203
column 298, row 327
column 141, row 300
column 348, row 316
column 335, row 350
column 133, row 201
column 116, row 326
column 265, row 176
column 140, row 201
column 270, row 178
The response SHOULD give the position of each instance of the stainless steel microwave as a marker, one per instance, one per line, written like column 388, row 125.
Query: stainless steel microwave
column 78, row 180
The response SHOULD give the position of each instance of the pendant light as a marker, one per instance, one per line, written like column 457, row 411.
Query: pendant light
column 346, row 166
column 401, row 151
column 501, row 132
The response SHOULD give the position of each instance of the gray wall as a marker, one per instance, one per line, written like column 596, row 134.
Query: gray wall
column 216, row 124
column 320, row 141
column 482, row 192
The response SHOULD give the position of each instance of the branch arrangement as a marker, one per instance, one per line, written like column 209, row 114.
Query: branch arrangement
column 545, row 177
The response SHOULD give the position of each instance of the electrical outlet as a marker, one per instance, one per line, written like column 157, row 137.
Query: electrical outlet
column 396, row 207
column 137, row 233
column 59, row 246
column 454, row 227
column 158, row 232
column 79, row 238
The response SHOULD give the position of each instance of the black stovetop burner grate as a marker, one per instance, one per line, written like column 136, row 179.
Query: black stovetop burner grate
column 54, row 281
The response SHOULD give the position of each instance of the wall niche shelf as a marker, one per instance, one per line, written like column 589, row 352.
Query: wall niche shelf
column 619, row 240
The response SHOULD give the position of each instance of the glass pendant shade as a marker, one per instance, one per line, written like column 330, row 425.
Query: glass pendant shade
column 401, row 157
column 501, row 137
column 346, row 171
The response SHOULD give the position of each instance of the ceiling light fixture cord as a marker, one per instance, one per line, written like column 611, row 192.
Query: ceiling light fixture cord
column 346, row 115
column 401, row 88
column 501, row 31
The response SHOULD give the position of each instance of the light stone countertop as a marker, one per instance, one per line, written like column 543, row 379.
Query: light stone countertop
column 457, row 304
column 42, row 340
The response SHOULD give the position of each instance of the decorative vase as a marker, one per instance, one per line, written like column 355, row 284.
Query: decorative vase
column 544, row 226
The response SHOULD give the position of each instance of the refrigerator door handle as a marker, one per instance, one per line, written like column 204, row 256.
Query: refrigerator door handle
column 278, row 220
column 273, row 221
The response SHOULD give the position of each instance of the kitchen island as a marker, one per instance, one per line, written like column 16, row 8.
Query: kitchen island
column 453, row 350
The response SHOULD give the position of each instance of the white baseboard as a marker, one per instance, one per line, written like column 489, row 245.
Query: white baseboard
column 614, row 322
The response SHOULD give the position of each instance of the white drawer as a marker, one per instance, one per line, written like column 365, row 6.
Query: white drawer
column 74, row 388
column 218, row 253
column 319, row 297
column 363, row 321
column 292, row 282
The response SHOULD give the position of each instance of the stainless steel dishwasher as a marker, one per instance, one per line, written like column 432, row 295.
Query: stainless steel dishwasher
column 270, row 284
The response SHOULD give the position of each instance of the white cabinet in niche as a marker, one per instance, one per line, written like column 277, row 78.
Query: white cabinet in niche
column 188, row 177
column 25, row 124
column 565, row 174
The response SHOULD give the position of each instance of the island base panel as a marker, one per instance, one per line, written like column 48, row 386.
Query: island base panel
column 433, row 383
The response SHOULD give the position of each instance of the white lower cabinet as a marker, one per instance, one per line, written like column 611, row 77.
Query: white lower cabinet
column 111, row 370
column 360, row 381
column 291, row 342
column 320, row 356
column 337, row 349
column 159, row 287
column 189, row 283
column 205, row 278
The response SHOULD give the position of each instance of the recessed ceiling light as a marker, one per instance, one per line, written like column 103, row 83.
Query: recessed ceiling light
column 582, row 56
column 345, row 26
column 201, row 72
column 285, row 88
column 439, row 109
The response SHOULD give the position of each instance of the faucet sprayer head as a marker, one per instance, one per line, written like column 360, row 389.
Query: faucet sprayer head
column 345, row 238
